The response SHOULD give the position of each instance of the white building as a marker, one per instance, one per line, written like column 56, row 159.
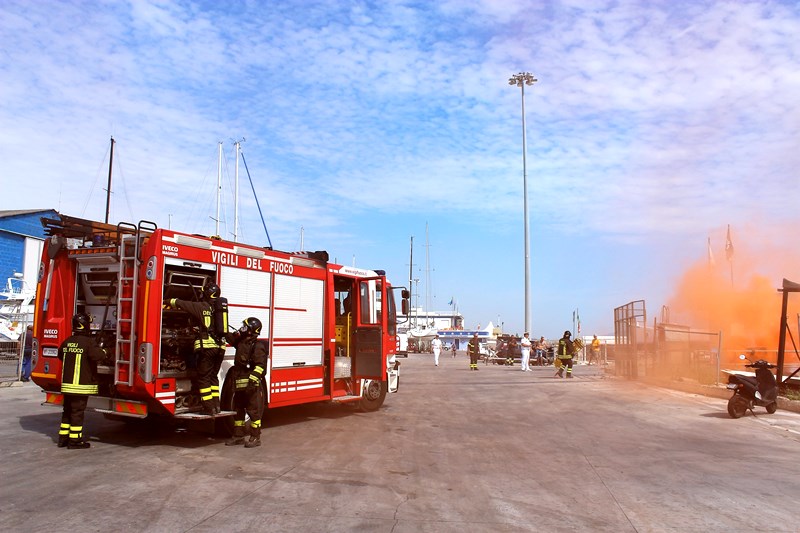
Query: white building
column 421, row 320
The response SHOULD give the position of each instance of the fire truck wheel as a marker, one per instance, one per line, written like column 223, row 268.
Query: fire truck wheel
column 373, row 395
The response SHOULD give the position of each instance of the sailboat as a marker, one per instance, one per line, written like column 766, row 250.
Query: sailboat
column 426, row 330
column 16, row 308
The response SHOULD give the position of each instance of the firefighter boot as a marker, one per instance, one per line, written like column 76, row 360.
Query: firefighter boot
column 560, row 373
column 63, row 435
column 255, row 437
column 237, row 438
column 208, row 407
column 78, row 445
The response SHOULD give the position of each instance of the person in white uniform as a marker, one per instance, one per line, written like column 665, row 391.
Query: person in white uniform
column 525, row 348
column 436, row 344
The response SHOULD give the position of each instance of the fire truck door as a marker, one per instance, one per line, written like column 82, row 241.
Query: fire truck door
column 368, row 354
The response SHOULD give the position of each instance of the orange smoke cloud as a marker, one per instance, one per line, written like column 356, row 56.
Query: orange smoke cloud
column 735, row 298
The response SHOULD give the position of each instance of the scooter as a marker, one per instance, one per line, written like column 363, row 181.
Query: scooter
column 749, row 392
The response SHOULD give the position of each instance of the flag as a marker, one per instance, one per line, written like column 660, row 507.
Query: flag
column 579, row 321
column 710, row 254
column 451, row 302
column 728, row 245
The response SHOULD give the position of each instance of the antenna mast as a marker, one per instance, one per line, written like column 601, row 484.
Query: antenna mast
column 108, row 189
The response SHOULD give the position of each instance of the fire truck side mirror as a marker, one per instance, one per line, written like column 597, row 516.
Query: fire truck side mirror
column 404, row 294
column 404, row 306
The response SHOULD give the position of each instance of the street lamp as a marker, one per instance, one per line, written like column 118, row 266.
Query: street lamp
column 521, row 80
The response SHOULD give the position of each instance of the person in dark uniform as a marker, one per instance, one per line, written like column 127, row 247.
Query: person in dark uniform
column 248, row 369
column 26, row 354
column 474, row 351
column 565, row 352
column 209, row 351
column 511, row 351
column 212, row 293
column 79, row 355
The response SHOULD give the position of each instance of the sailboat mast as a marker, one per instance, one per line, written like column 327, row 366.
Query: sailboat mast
column 236, row 195
column 427, row 277
column 219, row 187
column 411, row 274
column 108, row 189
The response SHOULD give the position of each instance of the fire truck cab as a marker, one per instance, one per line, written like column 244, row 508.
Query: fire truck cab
column 331, row 329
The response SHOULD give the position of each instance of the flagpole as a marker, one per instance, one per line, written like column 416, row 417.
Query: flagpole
column 710, row 273
column 729, row 251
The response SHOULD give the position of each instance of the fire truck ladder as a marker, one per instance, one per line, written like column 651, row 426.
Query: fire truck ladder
column 128, row 282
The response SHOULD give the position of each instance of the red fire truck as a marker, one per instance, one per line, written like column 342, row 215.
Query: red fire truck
column 331, row 329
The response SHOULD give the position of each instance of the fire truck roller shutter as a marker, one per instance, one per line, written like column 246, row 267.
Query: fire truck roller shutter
column 298, row 321
column 249, row 293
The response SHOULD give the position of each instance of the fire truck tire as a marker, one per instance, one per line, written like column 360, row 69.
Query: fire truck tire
column 373, row 396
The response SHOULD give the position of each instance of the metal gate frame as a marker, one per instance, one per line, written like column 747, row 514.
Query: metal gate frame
column 626, row 337
column 788, row 287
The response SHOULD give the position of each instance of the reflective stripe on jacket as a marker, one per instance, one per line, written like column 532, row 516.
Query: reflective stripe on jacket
column 79, row 355
column 202, row 313
column 251, row 357
column 565, row 348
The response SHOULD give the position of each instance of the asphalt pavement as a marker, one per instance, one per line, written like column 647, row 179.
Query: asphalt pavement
column 497, row 450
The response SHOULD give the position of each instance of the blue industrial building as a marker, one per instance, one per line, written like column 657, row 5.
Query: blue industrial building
column 21, row 242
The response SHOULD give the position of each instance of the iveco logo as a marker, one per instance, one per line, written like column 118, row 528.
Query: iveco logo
column 168, row 248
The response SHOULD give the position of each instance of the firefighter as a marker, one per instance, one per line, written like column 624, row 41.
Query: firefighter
column 511, row 349
column 209, row 351
column 565, row 352
column 220, row 321
column 79, row 355
column 248, row 369
column 474, row 351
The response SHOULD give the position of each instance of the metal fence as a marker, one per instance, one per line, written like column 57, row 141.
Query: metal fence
column 663, row 350
column 630, row 338
column 681, row 353
column 10, row 360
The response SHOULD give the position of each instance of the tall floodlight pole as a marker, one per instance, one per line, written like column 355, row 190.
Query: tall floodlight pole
column 521, row 80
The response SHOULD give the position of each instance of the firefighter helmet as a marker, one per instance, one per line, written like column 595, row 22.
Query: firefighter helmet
column 567, row 334
column 80, row 322
column 211, row 290
column 252, row 326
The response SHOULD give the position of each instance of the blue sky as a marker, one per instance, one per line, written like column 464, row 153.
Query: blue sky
column 653, row 126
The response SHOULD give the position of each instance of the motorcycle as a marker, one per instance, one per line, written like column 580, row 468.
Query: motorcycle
column 749, row 391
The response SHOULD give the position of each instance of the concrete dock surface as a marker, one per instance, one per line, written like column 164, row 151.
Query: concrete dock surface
column 497, row 450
